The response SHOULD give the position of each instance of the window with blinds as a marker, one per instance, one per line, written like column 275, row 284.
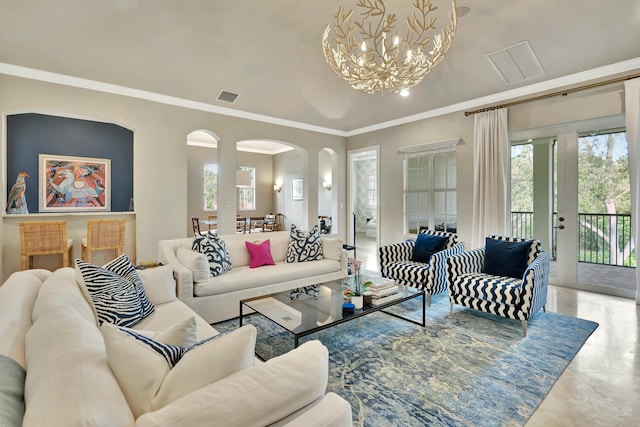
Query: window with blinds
column 430, row 191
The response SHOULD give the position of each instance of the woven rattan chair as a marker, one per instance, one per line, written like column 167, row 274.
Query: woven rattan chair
column 44, row 238
column 102, row 235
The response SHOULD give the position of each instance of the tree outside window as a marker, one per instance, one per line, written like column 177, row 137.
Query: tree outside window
column 210, row 186
column 247, row 195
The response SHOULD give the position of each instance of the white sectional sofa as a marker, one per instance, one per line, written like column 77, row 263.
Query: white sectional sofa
column 52, row 350
column 217, row 298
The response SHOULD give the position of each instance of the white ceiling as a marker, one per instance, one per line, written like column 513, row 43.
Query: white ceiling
column 269, row 52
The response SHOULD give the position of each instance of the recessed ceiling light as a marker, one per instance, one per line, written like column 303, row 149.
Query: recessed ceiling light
column 404, row 92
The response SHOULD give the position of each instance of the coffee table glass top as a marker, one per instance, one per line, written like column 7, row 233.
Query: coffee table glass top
column 308, row 313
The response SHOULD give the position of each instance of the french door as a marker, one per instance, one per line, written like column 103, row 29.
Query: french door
column 574, row 202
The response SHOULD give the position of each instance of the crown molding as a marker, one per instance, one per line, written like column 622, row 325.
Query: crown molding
column 548, row 85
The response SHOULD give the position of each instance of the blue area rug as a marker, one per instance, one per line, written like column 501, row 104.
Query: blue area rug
column 465, row 369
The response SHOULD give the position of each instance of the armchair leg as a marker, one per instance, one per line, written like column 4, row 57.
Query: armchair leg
column 429, row 300
column 451, row 309
column 524, row 328
column 544, row 308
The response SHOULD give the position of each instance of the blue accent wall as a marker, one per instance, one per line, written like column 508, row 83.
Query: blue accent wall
column 29, row 135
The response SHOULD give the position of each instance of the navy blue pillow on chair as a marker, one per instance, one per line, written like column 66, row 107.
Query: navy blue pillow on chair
column 427, row 245
column 504, row 258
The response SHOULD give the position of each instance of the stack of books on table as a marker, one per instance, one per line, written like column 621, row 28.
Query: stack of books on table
column 383, row 291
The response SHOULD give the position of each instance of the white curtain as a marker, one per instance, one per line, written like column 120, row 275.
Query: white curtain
column 632, row 109
column 490, row 170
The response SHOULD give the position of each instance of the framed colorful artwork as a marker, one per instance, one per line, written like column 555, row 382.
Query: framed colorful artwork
column 76, row 184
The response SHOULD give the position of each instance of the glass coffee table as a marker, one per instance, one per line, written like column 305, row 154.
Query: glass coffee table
column 309, row 314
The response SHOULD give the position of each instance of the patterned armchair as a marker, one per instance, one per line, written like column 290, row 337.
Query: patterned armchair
column 396, row 263
column 517, row 298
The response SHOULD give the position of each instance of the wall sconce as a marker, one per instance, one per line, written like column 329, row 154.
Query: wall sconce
column 277, row 187
column 326, row 185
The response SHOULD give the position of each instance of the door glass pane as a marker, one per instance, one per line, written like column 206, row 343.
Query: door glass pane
column 604, row 205
column 522, row 191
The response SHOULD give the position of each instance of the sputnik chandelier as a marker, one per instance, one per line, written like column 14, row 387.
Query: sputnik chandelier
column 372, row 57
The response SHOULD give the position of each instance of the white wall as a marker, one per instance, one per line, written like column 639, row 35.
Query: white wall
column 197, row 157
column 161, row 162
column 578, row 106
column 160, row 156
column 325, row 204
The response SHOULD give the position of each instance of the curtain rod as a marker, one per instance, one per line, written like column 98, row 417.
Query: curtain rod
column 549, row 95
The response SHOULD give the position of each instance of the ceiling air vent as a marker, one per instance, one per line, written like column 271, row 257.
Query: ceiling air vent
column 227, row 96
column 516, row 63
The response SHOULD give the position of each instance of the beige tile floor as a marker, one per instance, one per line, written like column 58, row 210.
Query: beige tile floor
column 601, row 386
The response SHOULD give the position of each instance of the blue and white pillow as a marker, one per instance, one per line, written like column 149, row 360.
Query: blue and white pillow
column 153, row 374
column 123, row 267
column 304, row 246
column 115, row 291
column 216, row 251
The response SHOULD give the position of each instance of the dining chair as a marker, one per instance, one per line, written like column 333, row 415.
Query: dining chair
column 195, row 224
column 102, row 235
column 270, row 222
column 213, row 222
column 44, row 238
column 241, row 224
column 256, row 223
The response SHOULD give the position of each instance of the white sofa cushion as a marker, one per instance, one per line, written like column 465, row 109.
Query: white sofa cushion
column 196, row 262
column 246, row 278
column 153, row 374
column 68, row 380
column 258, row 396
column 182, row 334
column 60, row 290
column 159, row 284
column 332, row 248
column 17, row 297
column 168, row 314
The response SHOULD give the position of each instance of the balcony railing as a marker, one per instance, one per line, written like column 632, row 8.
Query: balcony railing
column 602, row 239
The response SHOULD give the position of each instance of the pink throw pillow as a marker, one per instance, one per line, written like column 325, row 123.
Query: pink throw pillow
column 259, row 254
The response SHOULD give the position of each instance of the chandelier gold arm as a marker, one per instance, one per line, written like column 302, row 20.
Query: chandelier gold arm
column 378, row 60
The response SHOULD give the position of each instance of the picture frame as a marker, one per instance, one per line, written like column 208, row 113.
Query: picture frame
column 74, row 184
column 296, row 189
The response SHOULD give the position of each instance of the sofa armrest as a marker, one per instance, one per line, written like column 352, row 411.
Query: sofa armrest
column 535, row 283
column 465, row 263
column 256, row 396
column 344, row 255
column 331, row 411
column 183, row 275
column 393, row 253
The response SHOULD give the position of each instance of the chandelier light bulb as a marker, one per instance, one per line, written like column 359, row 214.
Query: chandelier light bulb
column 386, row 66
